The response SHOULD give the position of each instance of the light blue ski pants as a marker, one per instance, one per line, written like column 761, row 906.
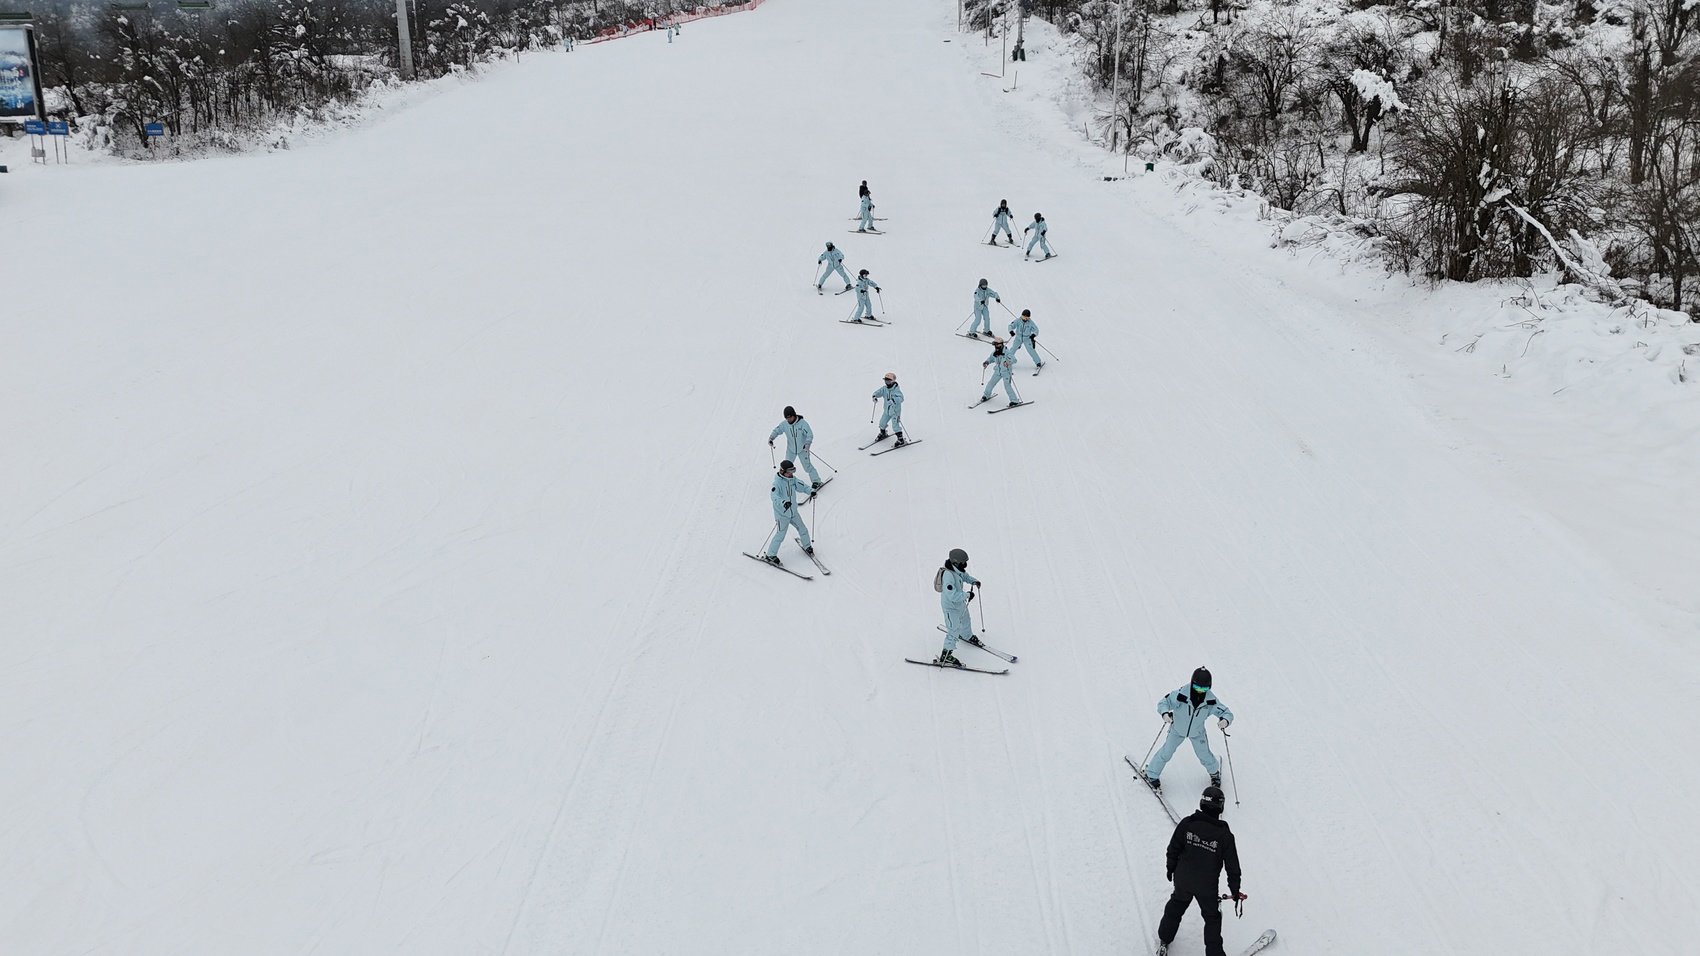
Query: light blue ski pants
column 1039, row 238
column 981, row 314
column 892, row 416
column 864, row 308
column 838, row 268
column 958, row 626
column 1200, row 746
column 999, row 373
column 794, row 521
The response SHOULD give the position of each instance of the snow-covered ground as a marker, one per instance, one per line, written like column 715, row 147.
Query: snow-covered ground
column 371, row 513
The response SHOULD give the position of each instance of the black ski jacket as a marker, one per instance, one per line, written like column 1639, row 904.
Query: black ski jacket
column 1201, row 847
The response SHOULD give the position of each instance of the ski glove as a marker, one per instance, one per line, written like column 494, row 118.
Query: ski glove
column 785, row 507
column 1169, row 718
column 970, row 595
column 1224, row 722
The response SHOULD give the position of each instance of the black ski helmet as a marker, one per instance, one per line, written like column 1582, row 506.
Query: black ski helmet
column 958, row 557
column 1201, row 677
column 982, row 283
column 829, row 245
column 786, row 465
column 1039, row 217
column 791, row 412
column 863, row 272
column 1027, row 313
column 1213, row 800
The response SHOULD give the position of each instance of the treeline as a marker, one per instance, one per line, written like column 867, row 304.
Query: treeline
column 1473, row 139
column 211, row 74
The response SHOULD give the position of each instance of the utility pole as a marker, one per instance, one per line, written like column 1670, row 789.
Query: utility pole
column 404, row 37
column 1116, row 83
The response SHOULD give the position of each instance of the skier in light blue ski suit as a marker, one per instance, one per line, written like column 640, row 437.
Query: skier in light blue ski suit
column 833, row 257
column 952, row 583
column 1001, row 362
column 893, row 416
column 1026, row 332
column 798, row 437
column 981, row 312
column 864, row 307
column 867, row 214
column 1187, row 712
column 1000, row 223
column 788, row 496
column 1037, row 227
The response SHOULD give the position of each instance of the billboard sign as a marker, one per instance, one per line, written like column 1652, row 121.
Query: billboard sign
column 20, row 81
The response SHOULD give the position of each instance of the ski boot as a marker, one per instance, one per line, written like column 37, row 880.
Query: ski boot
column 1216, row 780
column 947, row 659
column 810, row 550
column 991, row 242
column 882, row 436
column 901, row 441
column 772, row 559
column 1162, row 948
column 816, row 485
column 975, row 640
column 1155, row 783
column 847, row 287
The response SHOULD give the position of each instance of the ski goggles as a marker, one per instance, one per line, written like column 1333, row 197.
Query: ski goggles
column 1200, row 690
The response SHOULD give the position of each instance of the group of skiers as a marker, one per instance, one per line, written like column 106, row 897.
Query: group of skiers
column 1202, row 845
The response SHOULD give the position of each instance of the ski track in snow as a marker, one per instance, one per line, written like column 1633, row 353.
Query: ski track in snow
column 372, row 537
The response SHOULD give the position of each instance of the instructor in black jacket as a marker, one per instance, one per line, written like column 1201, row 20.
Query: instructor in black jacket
column 1201, row 847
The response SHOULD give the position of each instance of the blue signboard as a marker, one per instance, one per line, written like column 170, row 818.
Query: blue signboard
column 20, row 82
column 58, row 128
column 35, row 127
column 154, row 129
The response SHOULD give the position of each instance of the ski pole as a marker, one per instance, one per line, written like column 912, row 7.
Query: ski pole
column 1047, row 351
column 1231, row 775
column 822, row 460
column 988, row 236
column 1007, row 309
column 772, row 459
column 871, row 411
column 881, row 295
column 1152, row 749
column 959, row 325
column 982, row 610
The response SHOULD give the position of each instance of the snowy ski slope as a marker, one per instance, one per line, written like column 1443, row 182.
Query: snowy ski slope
column 371, row 513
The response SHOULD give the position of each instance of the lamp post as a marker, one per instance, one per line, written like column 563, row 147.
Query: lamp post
column 404, row 39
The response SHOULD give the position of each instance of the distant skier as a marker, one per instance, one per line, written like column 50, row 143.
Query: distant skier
column 892, row 417
column 1187, row 712
column 952, row 582
column 787, row 510
column 567, row 41
column 1000, row 223
column 1037, row 227
column 864, row 306
column 798, row 437
column 867, row 212
column 863, row 192
column 1201, row 847
column 1026, row 332
column 834, row 260
column 981, row 312
column 1001, row 363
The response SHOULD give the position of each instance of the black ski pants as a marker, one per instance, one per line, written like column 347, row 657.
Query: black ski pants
column 1208, row 905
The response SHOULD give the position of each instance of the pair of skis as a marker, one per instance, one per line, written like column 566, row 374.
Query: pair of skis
column 972, row 641
column 1258, row 945
column 906, row 444
column 994, row 411
column 869, row 321
column 781, row 567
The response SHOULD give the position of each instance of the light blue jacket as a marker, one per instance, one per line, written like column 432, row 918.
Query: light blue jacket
column 793, row 491
column 1038, row 224
column 1001, row 215
column 1006, row 361
column 892, row 394
column 1192, row 721
column 1022, row 329
column 864, row 283
column 953, row 593
column 798, row 437
column 981, row 295
column 833, row 256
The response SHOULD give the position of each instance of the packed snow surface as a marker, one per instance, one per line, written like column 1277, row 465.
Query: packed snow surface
column 371, row 517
